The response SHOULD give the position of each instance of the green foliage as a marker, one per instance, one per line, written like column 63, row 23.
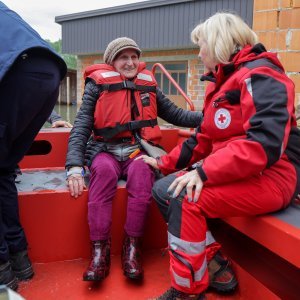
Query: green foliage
column 71, row 60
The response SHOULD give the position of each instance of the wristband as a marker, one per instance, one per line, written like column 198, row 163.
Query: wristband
column 75, row 170
column 201, row 173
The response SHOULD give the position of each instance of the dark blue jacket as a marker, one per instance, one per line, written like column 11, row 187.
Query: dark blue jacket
column 16, row 36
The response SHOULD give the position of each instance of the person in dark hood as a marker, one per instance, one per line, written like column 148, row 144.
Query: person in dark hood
column 30, row 75
column 57, row 121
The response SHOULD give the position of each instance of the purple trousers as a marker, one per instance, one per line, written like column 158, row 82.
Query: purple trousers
column 105, row 173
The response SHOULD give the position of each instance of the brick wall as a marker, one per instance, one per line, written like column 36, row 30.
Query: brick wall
column 277, row 23
column 195, row 87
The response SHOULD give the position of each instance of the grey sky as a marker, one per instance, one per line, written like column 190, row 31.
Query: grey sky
column 40, row 14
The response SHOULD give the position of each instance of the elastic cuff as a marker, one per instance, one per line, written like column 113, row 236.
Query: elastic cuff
column 75, row 170
column 201, row 173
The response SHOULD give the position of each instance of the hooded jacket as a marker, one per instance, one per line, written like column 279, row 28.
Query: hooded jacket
column 249, row 121
column 16, row 37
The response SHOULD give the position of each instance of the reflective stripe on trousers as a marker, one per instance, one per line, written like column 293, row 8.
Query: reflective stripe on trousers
column 188, row 264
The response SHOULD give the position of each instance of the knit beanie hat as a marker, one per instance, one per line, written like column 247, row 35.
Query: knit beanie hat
column 116, row 46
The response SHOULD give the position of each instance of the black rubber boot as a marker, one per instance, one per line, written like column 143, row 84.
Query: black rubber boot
column 131, row 258
column 21, row 265
column 99, row 265
column 221, row 275
column 7, row 276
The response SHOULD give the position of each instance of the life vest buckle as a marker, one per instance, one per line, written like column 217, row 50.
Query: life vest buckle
column 127, row 84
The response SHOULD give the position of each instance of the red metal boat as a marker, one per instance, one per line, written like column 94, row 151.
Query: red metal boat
column 265, row 250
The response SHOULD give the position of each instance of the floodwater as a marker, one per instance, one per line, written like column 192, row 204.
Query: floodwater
column 67, row 112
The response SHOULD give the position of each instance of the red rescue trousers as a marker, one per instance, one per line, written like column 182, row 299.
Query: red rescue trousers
column 267, row 192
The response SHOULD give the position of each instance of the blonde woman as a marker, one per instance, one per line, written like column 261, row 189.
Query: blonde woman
column 248, row 141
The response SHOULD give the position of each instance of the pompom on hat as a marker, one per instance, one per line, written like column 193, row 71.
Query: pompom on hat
column 118, row 45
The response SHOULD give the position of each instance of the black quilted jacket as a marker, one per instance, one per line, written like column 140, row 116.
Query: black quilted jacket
column 82, row 149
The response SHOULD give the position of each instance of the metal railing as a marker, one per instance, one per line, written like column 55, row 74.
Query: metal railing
column 184, row 95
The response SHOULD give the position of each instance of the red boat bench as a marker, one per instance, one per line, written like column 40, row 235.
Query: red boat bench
column 56, row 223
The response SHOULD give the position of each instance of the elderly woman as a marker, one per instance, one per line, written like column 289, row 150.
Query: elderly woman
column 248, row 143
column 120, row 98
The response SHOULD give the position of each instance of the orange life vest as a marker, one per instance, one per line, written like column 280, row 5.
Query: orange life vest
column 124, row 105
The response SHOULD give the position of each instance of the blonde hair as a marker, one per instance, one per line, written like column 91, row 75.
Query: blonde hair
column 224, row 33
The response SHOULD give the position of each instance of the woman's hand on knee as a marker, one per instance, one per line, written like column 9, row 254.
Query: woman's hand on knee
column 149, row 160
column 191, row 181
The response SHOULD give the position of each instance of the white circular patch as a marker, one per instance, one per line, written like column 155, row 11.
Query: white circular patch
column 222, row 118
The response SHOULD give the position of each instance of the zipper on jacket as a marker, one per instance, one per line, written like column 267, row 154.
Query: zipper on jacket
column 232, row 97
column 217, row 101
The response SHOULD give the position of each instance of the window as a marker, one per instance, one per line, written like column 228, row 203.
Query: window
column 178, row 71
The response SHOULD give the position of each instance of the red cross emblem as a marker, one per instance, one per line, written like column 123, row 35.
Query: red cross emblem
column 222, row 118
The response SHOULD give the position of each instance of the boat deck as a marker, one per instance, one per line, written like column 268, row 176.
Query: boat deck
column 63, row 281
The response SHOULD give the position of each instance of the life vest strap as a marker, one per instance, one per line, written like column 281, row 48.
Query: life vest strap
column 127, row 84
column 110, row 132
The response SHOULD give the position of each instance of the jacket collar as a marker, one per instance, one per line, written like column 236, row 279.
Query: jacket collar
column 246, row 54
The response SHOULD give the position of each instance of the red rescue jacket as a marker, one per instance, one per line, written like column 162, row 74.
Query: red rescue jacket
column 249, row 123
